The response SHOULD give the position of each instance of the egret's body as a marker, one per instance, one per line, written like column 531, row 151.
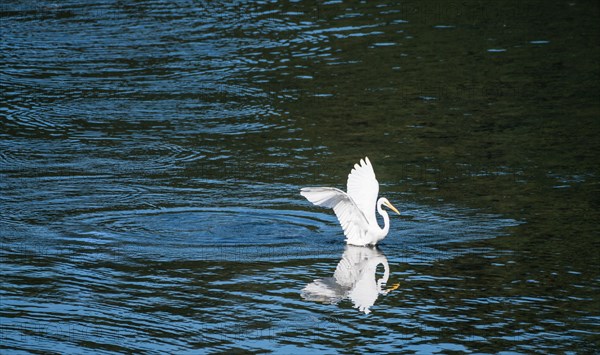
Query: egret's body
column 355, row 209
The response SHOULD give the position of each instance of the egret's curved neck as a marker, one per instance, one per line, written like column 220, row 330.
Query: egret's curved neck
column 386, row 218
column 384, row 279
column 373, row 264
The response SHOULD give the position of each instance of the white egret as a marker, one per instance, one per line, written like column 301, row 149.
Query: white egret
column 355, row 209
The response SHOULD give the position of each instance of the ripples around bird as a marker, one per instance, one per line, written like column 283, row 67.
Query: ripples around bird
column 218, row 278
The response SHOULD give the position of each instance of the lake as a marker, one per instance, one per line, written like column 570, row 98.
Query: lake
column 152, row 155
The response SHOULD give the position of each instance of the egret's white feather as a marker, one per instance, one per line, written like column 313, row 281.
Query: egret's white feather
column 364, row 188
column 351, row 218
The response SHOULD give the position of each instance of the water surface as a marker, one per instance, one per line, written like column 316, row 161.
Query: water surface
column 151, row 156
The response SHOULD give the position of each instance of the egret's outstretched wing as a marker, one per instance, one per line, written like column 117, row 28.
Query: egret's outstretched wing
column 352, row 219
column 363, row 189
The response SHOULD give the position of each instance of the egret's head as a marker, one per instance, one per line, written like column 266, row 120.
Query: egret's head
column 389, row 205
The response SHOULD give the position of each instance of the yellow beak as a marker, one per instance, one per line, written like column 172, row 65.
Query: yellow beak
column 391, row 207
column 394, row 287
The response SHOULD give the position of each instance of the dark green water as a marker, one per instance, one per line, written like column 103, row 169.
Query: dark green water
column 151, row 156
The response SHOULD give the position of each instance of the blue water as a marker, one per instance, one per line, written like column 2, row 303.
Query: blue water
column 151, row 156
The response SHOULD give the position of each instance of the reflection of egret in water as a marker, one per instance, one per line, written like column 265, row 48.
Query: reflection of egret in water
column 354, row 278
